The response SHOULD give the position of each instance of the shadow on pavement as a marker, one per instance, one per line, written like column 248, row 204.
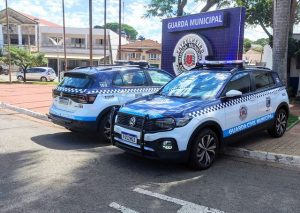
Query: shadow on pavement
column 68, row 141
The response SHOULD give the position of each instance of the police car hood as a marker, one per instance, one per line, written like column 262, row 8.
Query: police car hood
column 157, row 106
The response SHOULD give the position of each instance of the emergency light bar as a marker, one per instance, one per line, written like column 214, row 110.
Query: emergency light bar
column 138, row 63
column 239, row 63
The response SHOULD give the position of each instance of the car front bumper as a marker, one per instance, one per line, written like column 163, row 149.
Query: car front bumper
column 149, row 149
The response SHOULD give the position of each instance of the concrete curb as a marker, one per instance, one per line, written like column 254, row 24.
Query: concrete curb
column 264, row 156
column 24, row 111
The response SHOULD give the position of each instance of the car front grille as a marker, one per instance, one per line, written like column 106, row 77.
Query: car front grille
column 124, row 120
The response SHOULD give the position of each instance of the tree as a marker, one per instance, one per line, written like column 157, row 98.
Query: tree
column 129, row 30
column 247, row 44
column 170, row 8
column 262, row 42
column 24, row 59
column 142, row 38
column 281, row 27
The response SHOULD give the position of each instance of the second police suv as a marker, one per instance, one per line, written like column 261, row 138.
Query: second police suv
column 193, row 116
column 83, row 100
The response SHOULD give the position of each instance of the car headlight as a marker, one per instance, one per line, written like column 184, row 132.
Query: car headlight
column 180, row 122
column 161, row 124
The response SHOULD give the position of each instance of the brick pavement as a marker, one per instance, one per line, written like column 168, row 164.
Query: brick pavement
column 289, row 144
column 34, row 97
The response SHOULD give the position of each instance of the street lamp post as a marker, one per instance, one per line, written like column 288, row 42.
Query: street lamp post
column 64, row 35
column 91, row 32
column 8, row 41
column 104, row 31
column 57, row 44
column 120, row 29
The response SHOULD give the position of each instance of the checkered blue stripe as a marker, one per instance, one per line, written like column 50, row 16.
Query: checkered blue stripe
column 233, row 102
column 110, row 91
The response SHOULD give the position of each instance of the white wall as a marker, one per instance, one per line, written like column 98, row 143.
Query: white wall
column 268, row 56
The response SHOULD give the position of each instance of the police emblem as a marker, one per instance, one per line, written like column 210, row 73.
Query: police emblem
column 243, row 112
column 189, row 50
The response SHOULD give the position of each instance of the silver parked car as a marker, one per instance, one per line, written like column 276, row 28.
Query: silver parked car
column 37, row 73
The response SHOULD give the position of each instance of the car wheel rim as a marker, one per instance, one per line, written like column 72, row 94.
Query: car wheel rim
column 281, row 122
column 206, row 150
column 107, row 130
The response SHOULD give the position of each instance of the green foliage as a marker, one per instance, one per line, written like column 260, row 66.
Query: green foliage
column 24, row 59
column 247, row 44
column 171, row 8
column 294, row 47
column 141, row 38
column 129, row 30
column 262, row 41
column 258, row 12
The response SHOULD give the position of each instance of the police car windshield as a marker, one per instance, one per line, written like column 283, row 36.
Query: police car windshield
column 76, row 81
column 203, row 85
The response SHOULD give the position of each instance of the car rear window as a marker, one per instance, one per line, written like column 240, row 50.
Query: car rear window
column 78, row 81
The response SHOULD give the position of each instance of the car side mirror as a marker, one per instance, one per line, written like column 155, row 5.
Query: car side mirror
column 233, row 94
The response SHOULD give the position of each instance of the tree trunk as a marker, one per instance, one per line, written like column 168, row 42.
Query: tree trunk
column 209, row 4
column 24, row 79
column 180, row 6
column 281, row 17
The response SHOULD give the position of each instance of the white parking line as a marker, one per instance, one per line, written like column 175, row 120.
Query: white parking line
column 121, row 208
column 187, row 207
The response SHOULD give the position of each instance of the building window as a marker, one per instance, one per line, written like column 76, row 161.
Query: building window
column 99, row 41
column 298, row 62
column 153, row 56
column 78, row 42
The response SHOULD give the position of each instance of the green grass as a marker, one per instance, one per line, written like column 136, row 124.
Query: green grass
column 30, row 82
column 293, row 119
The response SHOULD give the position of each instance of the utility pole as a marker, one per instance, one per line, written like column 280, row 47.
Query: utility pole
column 91, row 32
column 120, row 28
column 64, row 35
column 8, row 41
column 104, row 31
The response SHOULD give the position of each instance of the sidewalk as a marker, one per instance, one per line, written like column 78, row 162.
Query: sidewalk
column 33, row 97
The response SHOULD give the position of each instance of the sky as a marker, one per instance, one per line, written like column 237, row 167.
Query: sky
column 76, row 13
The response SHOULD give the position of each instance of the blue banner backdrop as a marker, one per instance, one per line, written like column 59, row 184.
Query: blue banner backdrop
column 216, row 35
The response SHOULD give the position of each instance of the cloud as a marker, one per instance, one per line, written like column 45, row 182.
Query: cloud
column 76, row 12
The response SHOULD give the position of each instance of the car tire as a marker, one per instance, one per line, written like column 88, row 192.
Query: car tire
column 104, row 128
column 204, row 149
column 20, row 78
column 280, row 123
column 43, row 79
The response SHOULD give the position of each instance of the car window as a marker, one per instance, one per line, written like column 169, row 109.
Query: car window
column 159, row 78
column 29, row 70
column 201, row 85
column 78, row 81
column 240, row 82
column 118, row 80
column 130, row 78
column 263, row 80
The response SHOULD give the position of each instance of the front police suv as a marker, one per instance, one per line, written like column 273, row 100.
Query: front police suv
column 84, row 98
column 193, row 116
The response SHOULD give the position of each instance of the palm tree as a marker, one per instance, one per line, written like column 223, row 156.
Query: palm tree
column 281, row 26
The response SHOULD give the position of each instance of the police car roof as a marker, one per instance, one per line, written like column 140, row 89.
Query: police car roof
column 233, row 70
column 94, row 70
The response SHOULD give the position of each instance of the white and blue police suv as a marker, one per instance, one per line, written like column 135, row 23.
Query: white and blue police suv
column 193, row 116
column 83, row 100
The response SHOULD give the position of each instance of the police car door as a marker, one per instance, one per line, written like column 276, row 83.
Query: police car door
column 132, row 85
column 240, row 112
column 264, row 83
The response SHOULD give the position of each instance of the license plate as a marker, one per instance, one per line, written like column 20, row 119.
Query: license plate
column 64, row 101
column 129, row 137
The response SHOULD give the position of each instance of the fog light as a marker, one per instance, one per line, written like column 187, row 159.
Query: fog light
column 167, row 145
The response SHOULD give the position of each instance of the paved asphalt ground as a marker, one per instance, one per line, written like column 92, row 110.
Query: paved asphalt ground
column 44, row 168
